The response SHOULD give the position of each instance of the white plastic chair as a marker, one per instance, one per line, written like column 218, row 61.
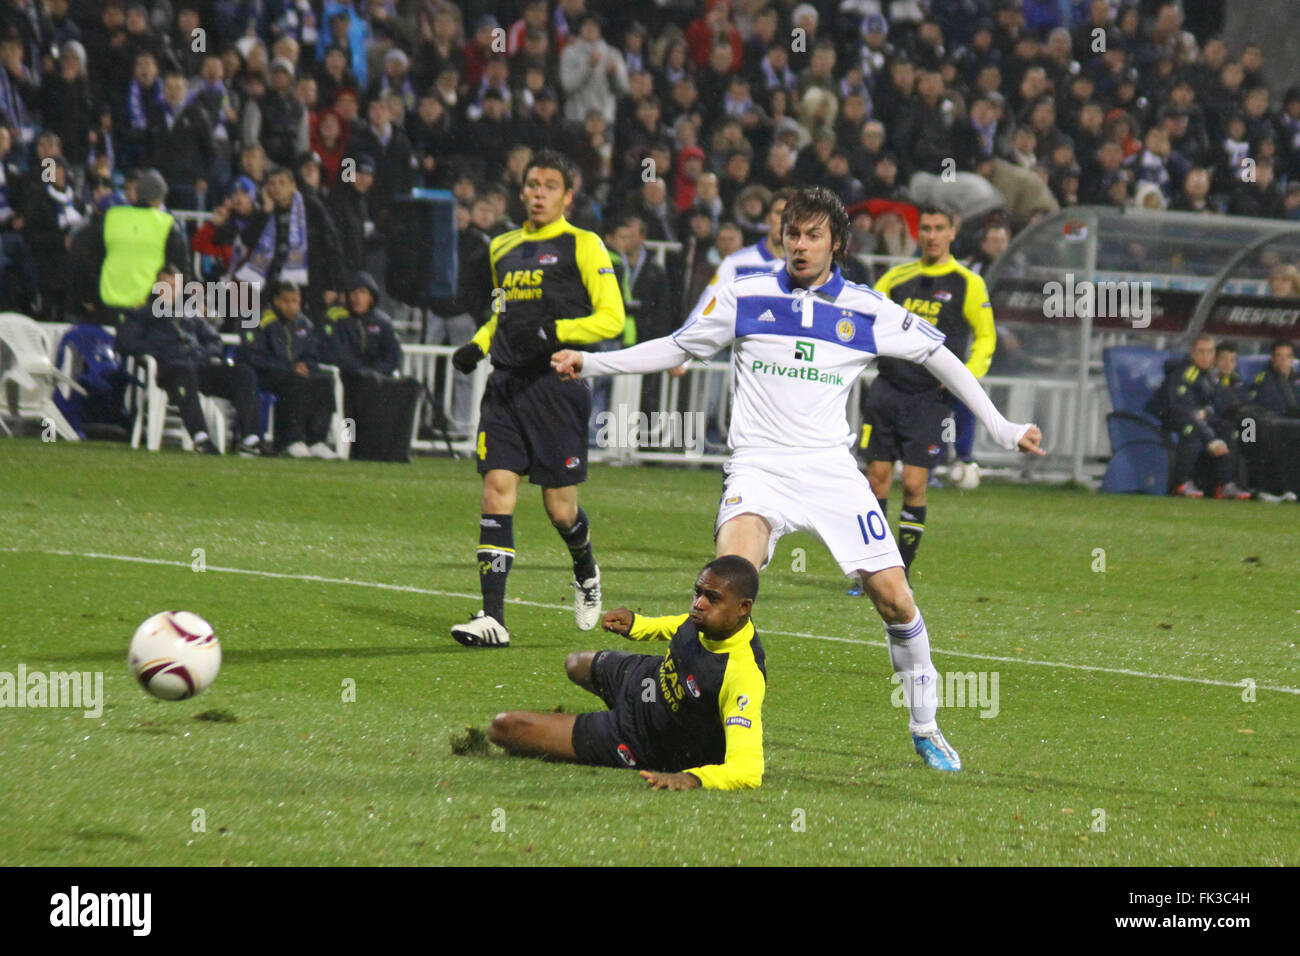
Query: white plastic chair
column 151, row 412
column 25, row 362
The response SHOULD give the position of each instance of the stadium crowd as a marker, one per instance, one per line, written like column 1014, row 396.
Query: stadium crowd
column 684, row 118
column 683, row 114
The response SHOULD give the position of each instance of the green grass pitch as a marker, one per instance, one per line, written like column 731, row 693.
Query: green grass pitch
column 1124, row 732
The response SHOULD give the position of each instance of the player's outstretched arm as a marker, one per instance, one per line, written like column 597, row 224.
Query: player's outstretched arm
column 657, row 355
column 953, row 373
column 671, row 781
column 618, row 621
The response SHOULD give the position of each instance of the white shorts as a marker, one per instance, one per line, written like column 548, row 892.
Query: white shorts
column 820, row 491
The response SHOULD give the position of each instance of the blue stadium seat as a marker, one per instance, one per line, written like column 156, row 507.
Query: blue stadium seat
column 86, row 354
column 1140, row 449
column 1248, row 366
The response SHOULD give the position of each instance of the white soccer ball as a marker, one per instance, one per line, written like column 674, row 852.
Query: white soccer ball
column 175, row 655
column 965, row 475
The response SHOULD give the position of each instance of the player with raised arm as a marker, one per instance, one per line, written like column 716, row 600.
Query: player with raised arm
column 554, row 284
column 801, row 336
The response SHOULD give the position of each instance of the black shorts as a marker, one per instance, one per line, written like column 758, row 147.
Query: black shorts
column 605, row 739
column 901, row 425
column 534, row 424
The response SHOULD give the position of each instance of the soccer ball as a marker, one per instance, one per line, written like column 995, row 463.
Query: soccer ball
column 175, row 655
column 965, row 475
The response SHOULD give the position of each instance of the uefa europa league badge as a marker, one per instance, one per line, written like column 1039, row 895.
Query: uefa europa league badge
column 797, row 304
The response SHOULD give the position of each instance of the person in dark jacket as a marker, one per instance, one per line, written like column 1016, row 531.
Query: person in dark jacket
column 291, row 238
column 278, row 120
column 283, row 351
column 1185, row 404
column 453, row 320
column 190, row 358
column 386, row 143
column 359, row 339
column 1229, row 390
column 349, row 207
column 1277, row 387
column 50, row 213
column 1273, row 411
column 180, row 144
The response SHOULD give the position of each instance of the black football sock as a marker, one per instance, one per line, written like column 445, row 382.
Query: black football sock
column 578, row 539
column 884, row 507
column 911, row 525
column 496, row 553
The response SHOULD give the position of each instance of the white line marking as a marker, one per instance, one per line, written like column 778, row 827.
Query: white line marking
column 408, row 589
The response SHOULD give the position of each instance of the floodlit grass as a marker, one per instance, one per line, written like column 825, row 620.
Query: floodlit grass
column 286, row 771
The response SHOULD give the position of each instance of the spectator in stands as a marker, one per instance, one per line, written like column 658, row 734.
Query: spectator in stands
column 180, row 144
column 1284, row 281
column 387, row 145
column 191, row 362
column 238, row 209
column 892, row 237
column 291, row 238
column 1027, row 196
column 1195, row 195
column 994, row 239
column 140, row 101
column 1157, row 163
column 67, row 104
column 19, row 89
column 283, row 351
column 349, row 207
column 278, row 120
column 358, row 338
column 1185, row 403
column 592, row 73
column 454, row 320
column 17, row 276
column 1259, row 195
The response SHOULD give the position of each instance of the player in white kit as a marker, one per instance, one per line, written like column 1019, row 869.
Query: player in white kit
column 801, row 336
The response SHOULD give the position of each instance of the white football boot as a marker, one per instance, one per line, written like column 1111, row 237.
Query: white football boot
column 481, row 631
column 586, row 602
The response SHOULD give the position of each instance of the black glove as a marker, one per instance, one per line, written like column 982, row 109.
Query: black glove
column 466, row 357
column 531, row 337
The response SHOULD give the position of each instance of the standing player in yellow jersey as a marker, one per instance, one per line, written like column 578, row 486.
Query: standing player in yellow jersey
column 905, row 409
column 554, row 285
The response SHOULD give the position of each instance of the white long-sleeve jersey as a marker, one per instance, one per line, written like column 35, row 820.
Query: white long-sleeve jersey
column 743, row 262
column 796, row 355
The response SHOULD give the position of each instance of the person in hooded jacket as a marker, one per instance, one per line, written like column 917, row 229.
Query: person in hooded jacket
column 359, row 339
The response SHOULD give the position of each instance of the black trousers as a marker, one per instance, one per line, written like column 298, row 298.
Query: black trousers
column 236, row 383
column 382, row 410
column 1191, row 447
column 306, row 404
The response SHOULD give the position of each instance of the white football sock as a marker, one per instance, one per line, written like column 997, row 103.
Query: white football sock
column 909, row 652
